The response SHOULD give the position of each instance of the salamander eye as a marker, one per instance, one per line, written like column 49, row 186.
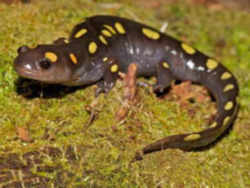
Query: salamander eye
column 45, row 63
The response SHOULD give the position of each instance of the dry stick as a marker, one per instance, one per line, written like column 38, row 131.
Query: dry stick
column 129, row 91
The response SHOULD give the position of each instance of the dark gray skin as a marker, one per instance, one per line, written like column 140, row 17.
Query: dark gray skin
column 149, row 54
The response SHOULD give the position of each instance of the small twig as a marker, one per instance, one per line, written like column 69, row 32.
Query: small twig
column 129, row 91
column 93, row 113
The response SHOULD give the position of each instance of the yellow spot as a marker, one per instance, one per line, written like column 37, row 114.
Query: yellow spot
column 73, row 58
column 229, row 105
column 51, row 56
column 150, row 33
column 165, row 65
column 192, row 137
column 81, row 33
column 188, row 49
column 103, row 40
column 92, row 47
column 110, row 28
column 106, row 33
column 226, row 120
column 225, row 75
column 114, row 68
column 228, row 87
column 105, row 59
column 120, row 28
column 214, row 124
column 211, row 64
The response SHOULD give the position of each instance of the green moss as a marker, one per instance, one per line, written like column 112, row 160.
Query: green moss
column 103, row 151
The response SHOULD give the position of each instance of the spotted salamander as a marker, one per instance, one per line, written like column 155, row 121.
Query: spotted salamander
column 103, row 46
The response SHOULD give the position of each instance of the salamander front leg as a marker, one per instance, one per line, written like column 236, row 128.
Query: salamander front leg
column 109, row 78
column 164, row 77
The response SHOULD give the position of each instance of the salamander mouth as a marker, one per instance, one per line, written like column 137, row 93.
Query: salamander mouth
column 23, row 72
column 33, row 75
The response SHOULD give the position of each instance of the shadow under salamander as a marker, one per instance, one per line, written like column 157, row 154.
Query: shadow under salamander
column 34, row 89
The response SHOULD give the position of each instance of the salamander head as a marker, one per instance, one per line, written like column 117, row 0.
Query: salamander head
column 44, row 63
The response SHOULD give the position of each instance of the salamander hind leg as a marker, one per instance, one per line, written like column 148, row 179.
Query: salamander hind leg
column 110, row 76
column 164, row 77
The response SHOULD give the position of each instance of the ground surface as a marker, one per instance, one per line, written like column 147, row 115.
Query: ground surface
column 43, row 132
